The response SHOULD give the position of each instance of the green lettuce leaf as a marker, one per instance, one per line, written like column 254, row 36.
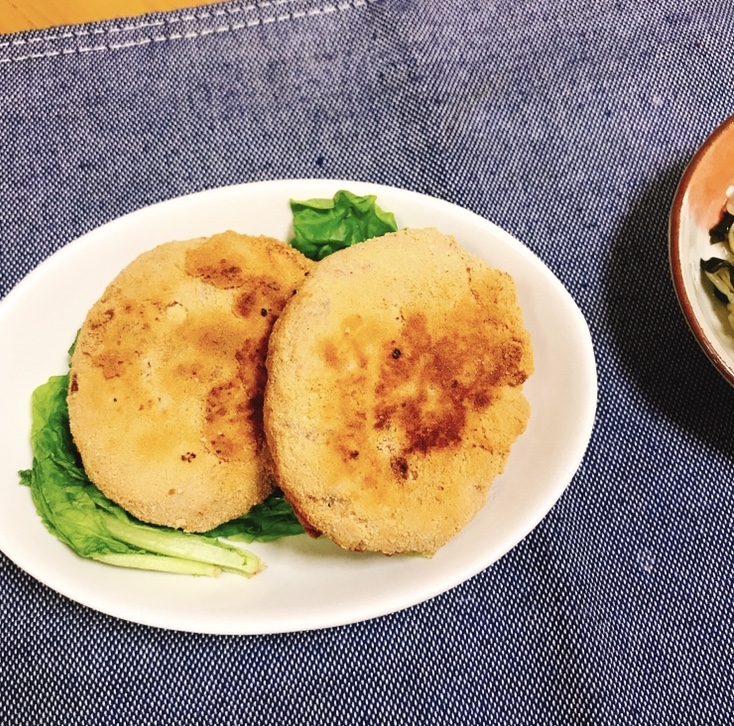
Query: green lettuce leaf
column 76, row 512
column 323, row 226
column 266, row 522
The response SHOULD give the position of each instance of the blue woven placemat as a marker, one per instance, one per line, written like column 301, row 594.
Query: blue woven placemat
column 567, row 124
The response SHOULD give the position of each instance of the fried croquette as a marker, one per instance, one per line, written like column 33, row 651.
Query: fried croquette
column 168, row 374
column 394, row 391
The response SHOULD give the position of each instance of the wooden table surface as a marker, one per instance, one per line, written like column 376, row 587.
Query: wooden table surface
column 18, row 15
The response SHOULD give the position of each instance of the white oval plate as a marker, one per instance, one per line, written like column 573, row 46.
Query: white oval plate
column 308, row 583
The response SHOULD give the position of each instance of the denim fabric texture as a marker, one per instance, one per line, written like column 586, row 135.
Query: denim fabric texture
column 569, row 124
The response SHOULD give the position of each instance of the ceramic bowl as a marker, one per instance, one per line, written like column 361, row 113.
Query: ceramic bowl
column 697, row 207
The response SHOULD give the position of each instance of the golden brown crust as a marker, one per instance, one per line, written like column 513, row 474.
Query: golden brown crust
column 395, row 391
column 168, row 374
